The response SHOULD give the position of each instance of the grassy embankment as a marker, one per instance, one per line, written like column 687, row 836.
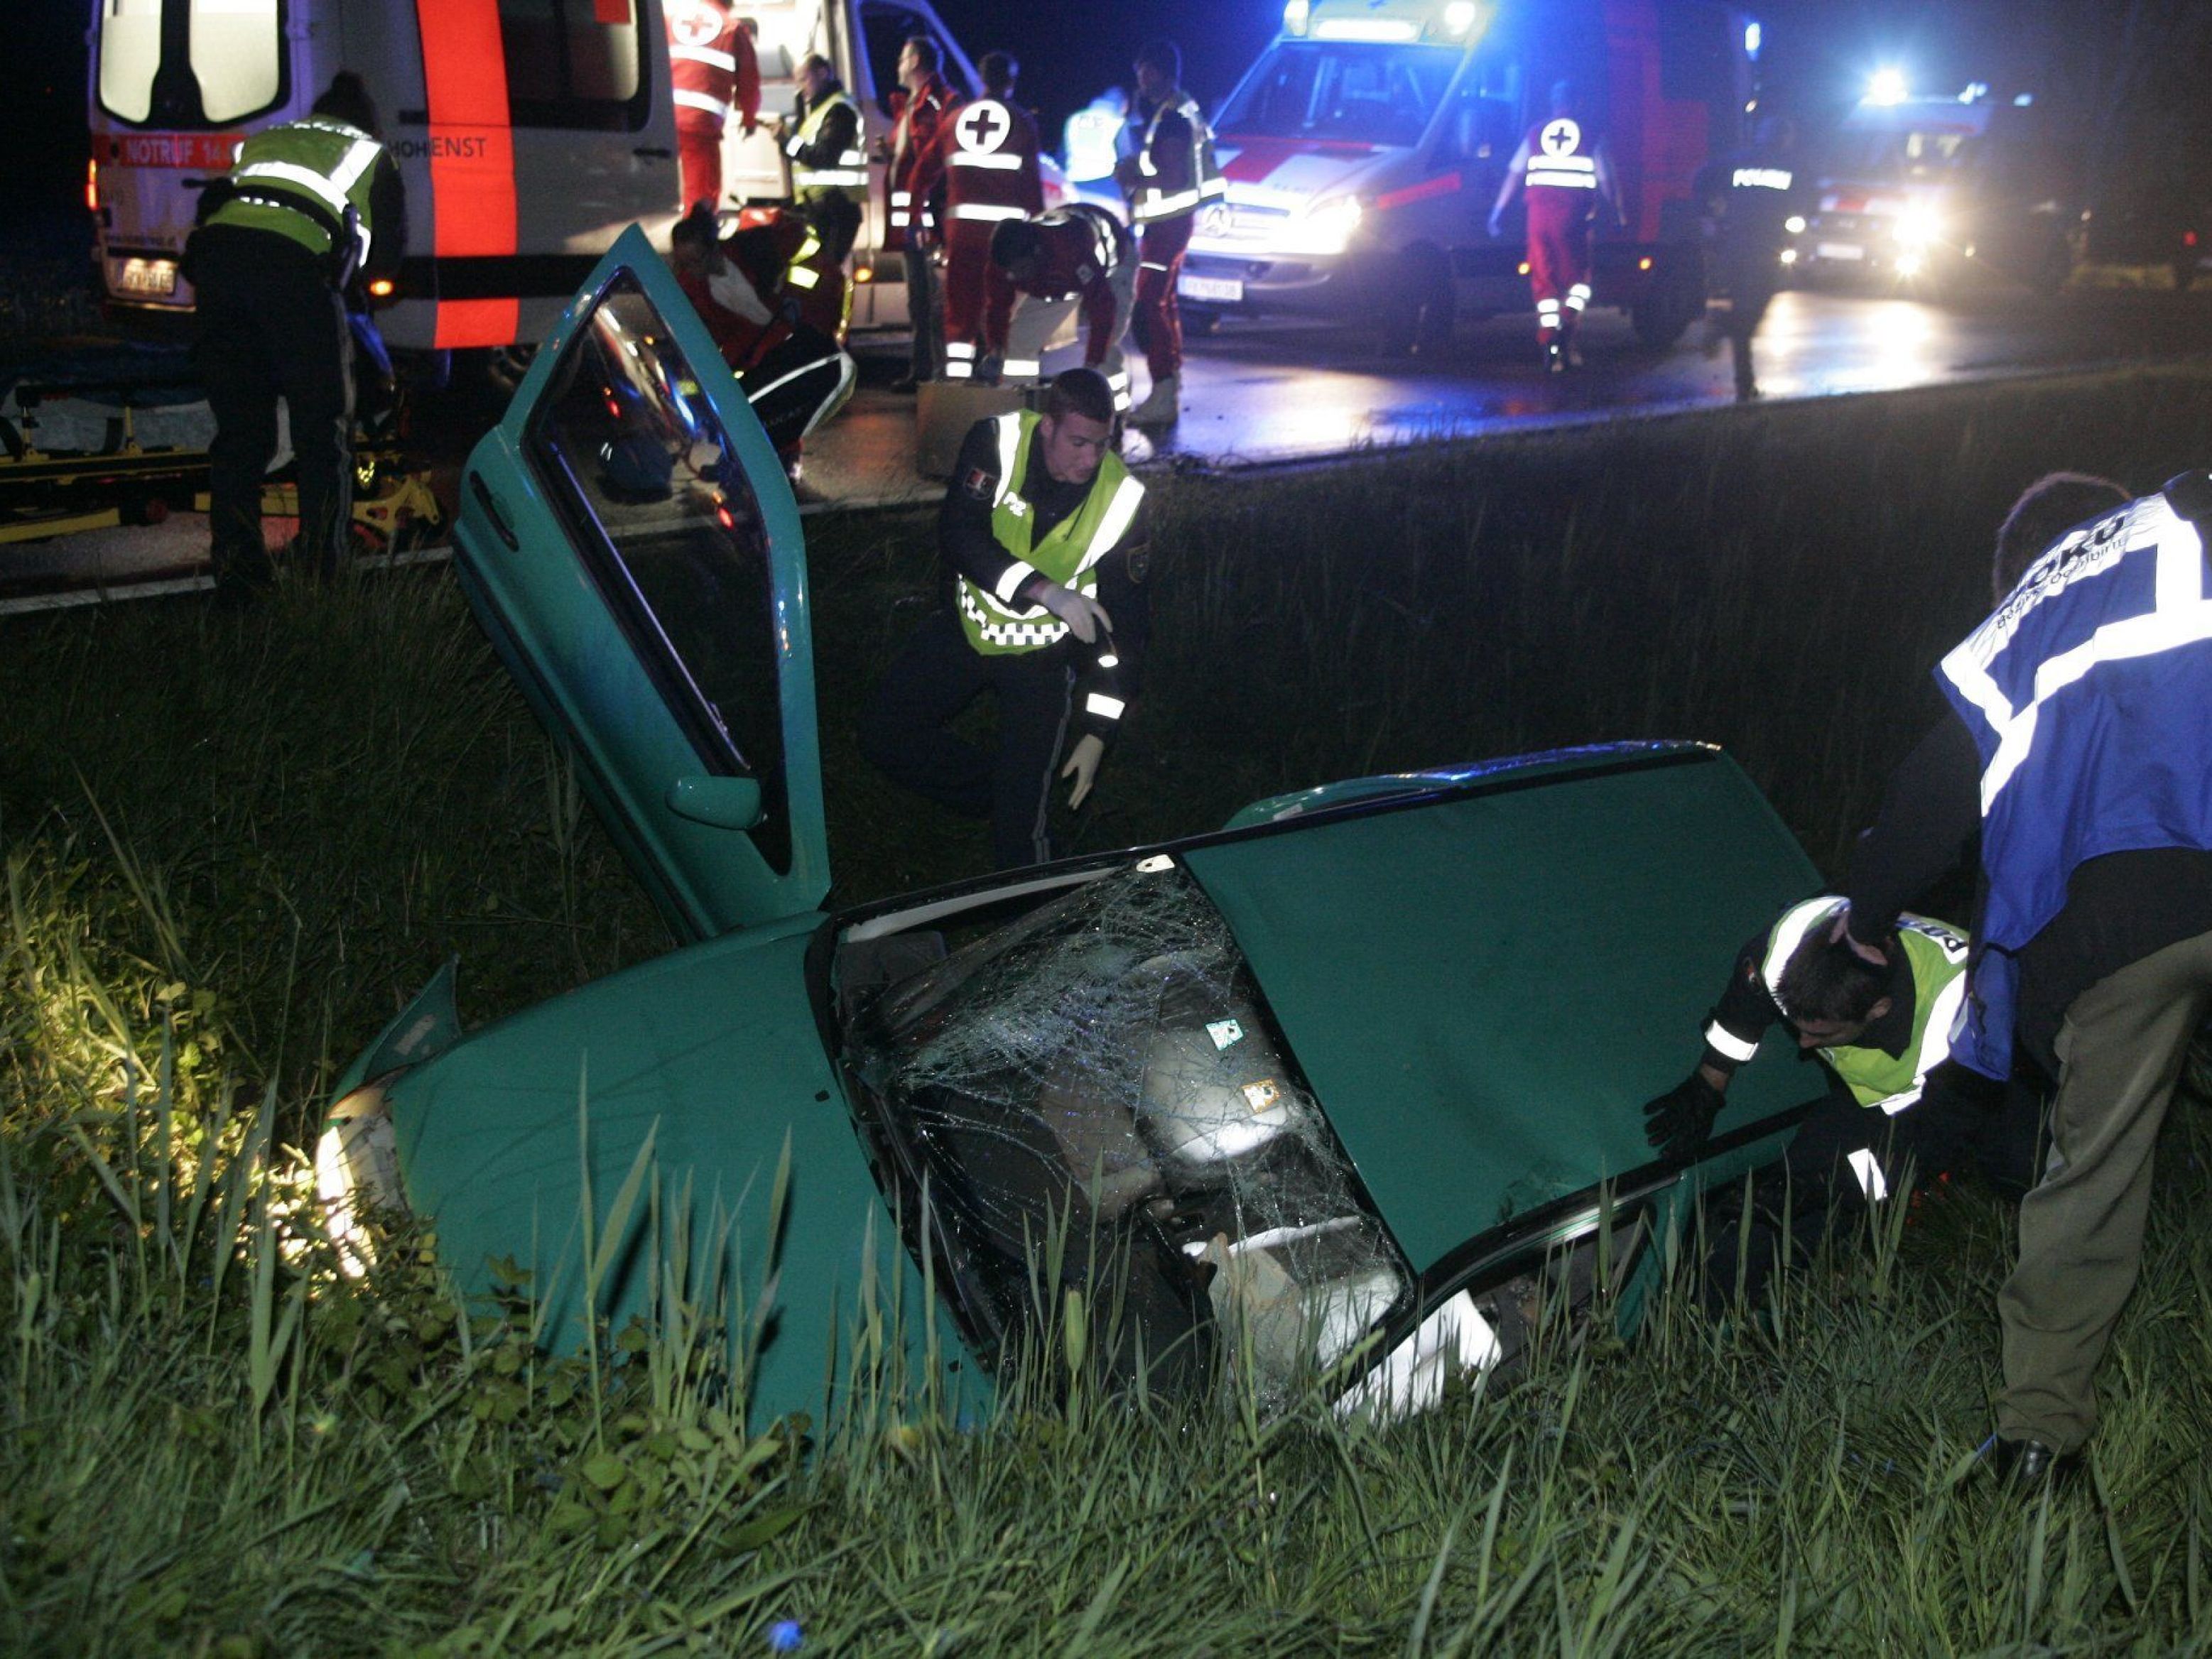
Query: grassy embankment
column 232, row 844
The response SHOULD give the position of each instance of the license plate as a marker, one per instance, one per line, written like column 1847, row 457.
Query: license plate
column 148, row 277
column 1840, row 250
column 1224, row 290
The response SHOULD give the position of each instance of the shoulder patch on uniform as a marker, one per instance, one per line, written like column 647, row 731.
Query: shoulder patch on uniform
column 979, row 484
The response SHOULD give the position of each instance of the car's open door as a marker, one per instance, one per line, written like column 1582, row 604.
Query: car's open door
column 628, row 537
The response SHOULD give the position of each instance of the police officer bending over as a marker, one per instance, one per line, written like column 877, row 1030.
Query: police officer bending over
column 311, row 206
column 1896, row 1107
column 1042, row 608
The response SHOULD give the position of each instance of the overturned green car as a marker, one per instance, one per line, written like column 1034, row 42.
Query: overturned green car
column 1345, row 1090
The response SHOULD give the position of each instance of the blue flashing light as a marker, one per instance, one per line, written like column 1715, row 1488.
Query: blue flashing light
column 1753, row 37
column 1296, row 14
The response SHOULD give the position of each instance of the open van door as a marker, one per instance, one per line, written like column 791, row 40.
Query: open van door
column 629, row 540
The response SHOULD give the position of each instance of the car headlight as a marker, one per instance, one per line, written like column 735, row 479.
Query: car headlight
column 1795, row 224
column 357, row 1173
column 1918, row 226
column 1327, row 227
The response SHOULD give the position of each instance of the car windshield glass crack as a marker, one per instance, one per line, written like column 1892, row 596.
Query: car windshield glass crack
column 1096, row 1094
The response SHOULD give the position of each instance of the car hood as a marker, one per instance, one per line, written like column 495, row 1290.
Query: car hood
column 1278, row 172
column 712, row 1052
column 1482, row 990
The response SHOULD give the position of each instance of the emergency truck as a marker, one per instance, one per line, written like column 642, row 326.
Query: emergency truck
column 528, row 133
column 1364, row 148
column 1913, row 189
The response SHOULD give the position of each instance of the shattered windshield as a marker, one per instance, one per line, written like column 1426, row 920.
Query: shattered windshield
column 1095, row 1095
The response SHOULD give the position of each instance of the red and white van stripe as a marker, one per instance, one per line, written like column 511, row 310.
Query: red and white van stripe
column 472, row 159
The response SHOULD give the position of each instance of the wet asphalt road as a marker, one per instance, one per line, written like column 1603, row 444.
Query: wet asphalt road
column 1264, row 389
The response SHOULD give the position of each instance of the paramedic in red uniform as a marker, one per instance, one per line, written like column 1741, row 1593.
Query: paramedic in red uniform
column 711, row 68
column 923, row 100
column 985, row 154
column 1171, row 175
column 1566, row 172
column 793, row 372
column 1078, row 255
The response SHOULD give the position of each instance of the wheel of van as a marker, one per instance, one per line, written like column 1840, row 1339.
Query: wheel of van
column 1418, row 309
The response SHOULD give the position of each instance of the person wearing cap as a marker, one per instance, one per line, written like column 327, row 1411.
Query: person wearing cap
column 1079, row 256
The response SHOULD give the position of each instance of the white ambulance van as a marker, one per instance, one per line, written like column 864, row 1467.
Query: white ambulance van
column 1364, row 148
column 528, row 132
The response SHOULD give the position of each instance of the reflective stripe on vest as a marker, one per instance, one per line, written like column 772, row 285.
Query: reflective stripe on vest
column 326, row 162
column 2088, row 695
column 1069, row 555
column 1935, row 956
column 849, row 173
column 707, row 55
column 1153, row 203
column 1556, row 158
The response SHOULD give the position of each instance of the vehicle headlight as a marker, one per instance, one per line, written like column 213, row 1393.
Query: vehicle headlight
column 1327, row 227
column 1795, row 224
column 357, row 1173
column 1917, row 227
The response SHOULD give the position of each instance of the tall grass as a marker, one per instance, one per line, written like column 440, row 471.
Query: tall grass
column 230, row 844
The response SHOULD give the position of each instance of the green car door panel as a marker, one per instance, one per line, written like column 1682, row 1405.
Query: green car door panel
column 629, row 540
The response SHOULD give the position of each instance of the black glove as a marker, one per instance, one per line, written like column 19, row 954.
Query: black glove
column 1678, row 1122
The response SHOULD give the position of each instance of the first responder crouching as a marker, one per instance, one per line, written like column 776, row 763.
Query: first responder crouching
column 1898, row 1111
column 311, row 207
column 1042, row 565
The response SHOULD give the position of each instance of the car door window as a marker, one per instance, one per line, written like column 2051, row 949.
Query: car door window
column 233, row 60
column 573, row 63
column 672, row 534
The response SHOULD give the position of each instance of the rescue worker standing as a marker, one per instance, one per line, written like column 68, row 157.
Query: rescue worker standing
column 1566, row 170
column 928, row 97
column 986, row 157
column 712, row 68
column 310, row 206
column 2079, row 742
column 1081, row 256
column 829, row 168
column 1171, row 175
column 1894, row 1101
column 1747, row 200
column 1041, row 564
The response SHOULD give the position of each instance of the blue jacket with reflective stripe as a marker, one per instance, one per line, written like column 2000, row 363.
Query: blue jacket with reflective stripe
column 2089, row 693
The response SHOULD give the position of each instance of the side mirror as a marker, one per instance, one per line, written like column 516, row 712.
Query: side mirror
column 719, row 803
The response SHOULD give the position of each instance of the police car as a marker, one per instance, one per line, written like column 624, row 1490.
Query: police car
column 1916, row 191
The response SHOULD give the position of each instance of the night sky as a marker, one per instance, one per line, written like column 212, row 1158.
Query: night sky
column 1818, row 53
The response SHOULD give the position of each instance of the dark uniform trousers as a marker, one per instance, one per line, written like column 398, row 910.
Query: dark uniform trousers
column 1962, row 1122
column 935, row 676
column 271, row 324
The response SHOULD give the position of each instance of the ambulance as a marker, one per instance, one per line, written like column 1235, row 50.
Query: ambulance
column 1363, row 149
column 528, row 133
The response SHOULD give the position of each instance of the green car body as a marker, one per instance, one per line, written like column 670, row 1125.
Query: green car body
column 1367, row 1055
